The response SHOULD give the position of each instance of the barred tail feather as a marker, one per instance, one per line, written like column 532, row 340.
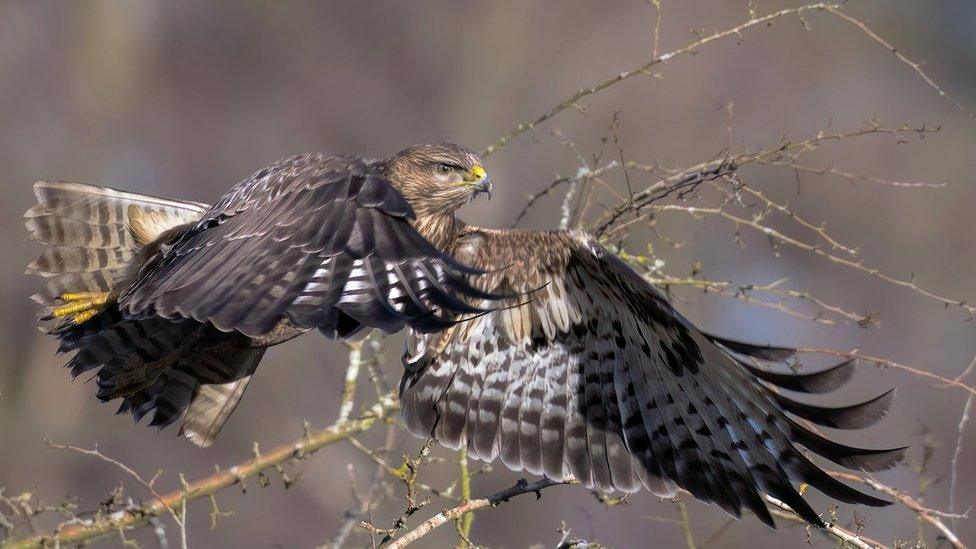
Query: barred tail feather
column 92, row 234
column 213, row 403
column 176, row 370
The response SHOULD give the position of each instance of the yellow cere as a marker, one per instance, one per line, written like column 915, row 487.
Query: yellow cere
column 477, row 173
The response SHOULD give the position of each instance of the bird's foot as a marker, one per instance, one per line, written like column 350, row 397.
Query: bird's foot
column 81, row 306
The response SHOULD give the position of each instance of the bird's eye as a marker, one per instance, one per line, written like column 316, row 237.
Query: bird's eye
column 444, row 169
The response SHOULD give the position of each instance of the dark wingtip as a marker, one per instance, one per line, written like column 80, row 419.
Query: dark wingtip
column 854, row 416
column 833, row 488
column 761, row 352
column 765, row 516
column 814, row 382
column 791, row 497
column 880, row 460
column 852, row 457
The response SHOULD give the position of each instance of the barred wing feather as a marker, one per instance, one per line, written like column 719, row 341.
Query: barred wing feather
column 597, row 377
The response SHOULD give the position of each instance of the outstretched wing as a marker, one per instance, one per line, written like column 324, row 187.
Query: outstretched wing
column 595, row 376
column 319, row 240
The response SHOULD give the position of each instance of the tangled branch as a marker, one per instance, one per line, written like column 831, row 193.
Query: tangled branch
column 175, row 501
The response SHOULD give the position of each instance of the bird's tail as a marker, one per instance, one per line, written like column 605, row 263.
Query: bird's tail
column 178, row 369
column 91, row 236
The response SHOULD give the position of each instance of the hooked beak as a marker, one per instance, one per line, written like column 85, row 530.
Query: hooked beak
column 479, row 181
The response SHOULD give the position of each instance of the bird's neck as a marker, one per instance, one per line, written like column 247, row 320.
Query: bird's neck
column 440, row 228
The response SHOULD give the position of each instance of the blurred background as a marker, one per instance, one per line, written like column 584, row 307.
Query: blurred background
column 182, row 99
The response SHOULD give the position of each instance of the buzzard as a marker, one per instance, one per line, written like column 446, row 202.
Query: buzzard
column 537, row 347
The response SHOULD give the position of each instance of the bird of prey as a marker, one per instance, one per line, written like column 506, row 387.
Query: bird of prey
column 537, row 347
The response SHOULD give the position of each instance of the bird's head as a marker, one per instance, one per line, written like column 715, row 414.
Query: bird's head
column 438, row 178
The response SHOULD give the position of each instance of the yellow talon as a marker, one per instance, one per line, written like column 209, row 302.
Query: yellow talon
column 85, row 316
column 72, row 308
column 81, row 306
column 77, row 296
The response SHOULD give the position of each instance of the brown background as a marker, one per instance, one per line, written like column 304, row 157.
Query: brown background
column 182, row 99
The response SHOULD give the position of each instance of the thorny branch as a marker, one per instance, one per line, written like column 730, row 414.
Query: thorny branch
column 689, row 178
column 942, row 381
column 845, row 537
column 398, row 472
column 178, row 517
column 643, row 205
column 932, row 516
column 745, row 292
column 453, row 513
column 572, row 101
column 366, row 500
column 84, row 530
column 583, row 174
column 466, row 519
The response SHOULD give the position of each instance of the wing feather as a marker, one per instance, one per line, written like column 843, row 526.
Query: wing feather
column 320, row 240
column 596, row 376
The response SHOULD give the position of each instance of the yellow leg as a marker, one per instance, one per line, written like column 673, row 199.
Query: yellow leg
column 78, row 296
column 85, row 316
column 81, row 306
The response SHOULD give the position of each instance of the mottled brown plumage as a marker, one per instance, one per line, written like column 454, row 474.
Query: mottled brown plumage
column 173, row 302
column 539, row 348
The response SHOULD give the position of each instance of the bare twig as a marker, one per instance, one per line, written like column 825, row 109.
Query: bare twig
column 409, row 472
column 465, row 521
column 931, row 516
column 179, row 516
column 398, row 473
column 580, row 175
column 784, row 209
column 148, row 484
column 657, row 26
column 957, row 452
column 572, row 101
column 687, row 179
column 782, row 238
column 916, row 66
column 886, row 363
column 833, row 531
column 447, row 515
column 743, row 292
column 717, row 533
column 366, row 500
column 686, row 524
column 347, row 401
column 854, row 178
column 679, row 184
